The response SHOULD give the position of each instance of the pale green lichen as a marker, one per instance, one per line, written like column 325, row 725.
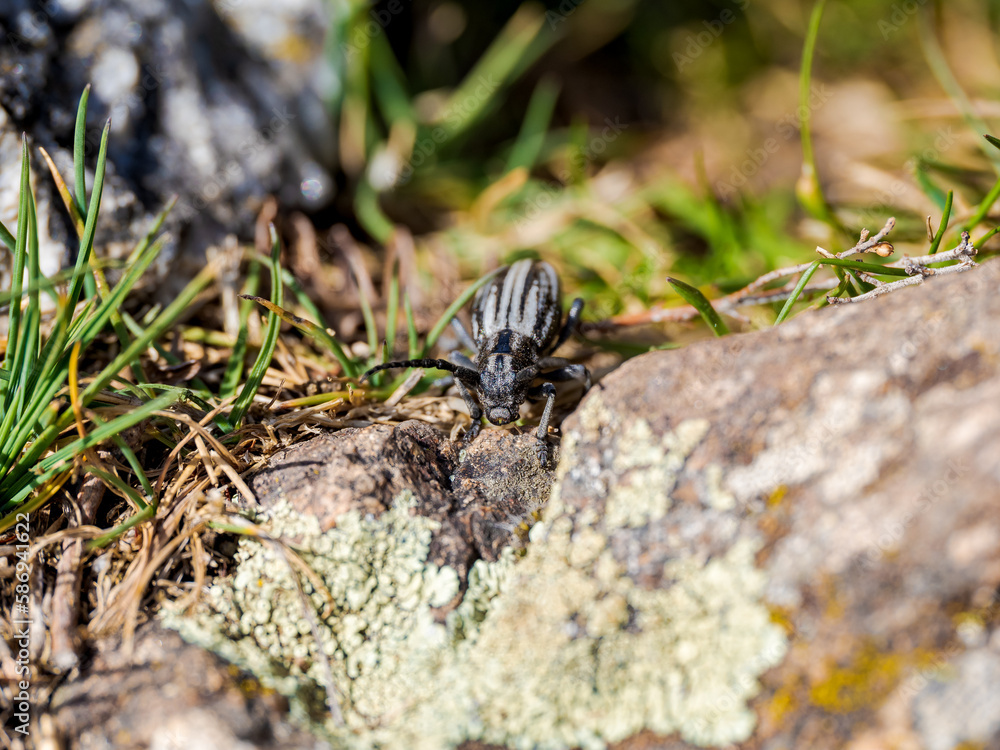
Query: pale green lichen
column 652, row 466
column 377, row 574
column 718, row 497
column 558, row 649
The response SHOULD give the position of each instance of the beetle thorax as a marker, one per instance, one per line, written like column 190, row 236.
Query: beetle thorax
column 500, row 359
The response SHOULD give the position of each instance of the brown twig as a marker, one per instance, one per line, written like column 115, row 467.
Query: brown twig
column 919, row 270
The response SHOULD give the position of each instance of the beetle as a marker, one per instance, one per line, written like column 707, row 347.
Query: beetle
column 516, row 326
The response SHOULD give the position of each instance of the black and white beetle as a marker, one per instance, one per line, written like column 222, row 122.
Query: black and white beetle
column 516, row 321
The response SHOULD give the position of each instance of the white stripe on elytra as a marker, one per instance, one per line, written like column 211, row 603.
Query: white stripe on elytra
column 513, row 288
column 524, row 321
column 490, row 311
column 503, row 311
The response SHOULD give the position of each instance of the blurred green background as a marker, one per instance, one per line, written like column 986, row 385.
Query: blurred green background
column 629, row 140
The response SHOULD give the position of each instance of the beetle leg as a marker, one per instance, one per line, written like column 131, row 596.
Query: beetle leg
column 474, row 411
column 548, row 392
column 464, row 337
column 572, row 320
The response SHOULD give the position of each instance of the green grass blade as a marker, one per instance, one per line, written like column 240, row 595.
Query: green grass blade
column 531, row 137
column 808, row 189
column 234, row 366
column 391, row 313
column 978, row 244
column 389, row 83
column 79, row 149
column 112, row 302
column 14, row 352
column 33, row 316
column 318, row 333
column 369, row 212
column 411, row 328
column 7, row 238
column 322, row 334
column 48, row 284
column 105, row 539
column 860, row 266
column 942, row 71
column 115, row 482
column 64, row 193
column 87, row 241
column 797, row 292
column 983, row 208
column 945, row 215
column 521, row 41
column 57, row 462
column 700, row 302
column 256, row 375
column 931, row 190
column 165, row 320
column 20, row 420
column 140, row 473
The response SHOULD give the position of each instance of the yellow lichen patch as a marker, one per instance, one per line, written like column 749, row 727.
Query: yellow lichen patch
column 778, row 495
column 782, row 616
column 863, row 683
column 784, row 701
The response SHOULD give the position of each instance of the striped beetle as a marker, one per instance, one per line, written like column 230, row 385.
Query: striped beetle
column 516, row 321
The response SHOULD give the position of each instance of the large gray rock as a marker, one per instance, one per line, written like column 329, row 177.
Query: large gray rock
column 859, row 449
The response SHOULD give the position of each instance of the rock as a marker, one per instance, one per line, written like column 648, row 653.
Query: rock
column 480, row 496
column 203, row 105
column 167, row 694
column 859, row 449
column 782, row 539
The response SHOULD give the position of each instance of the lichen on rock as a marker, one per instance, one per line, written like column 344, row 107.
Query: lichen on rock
column 558, row 648
column 381, row 624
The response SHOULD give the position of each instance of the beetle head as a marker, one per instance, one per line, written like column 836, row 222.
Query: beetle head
column 502, row 389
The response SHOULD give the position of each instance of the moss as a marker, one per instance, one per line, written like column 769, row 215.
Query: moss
column 558, row 648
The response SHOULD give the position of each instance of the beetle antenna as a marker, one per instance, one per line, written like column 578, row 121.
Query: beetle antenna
column 462, row 373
